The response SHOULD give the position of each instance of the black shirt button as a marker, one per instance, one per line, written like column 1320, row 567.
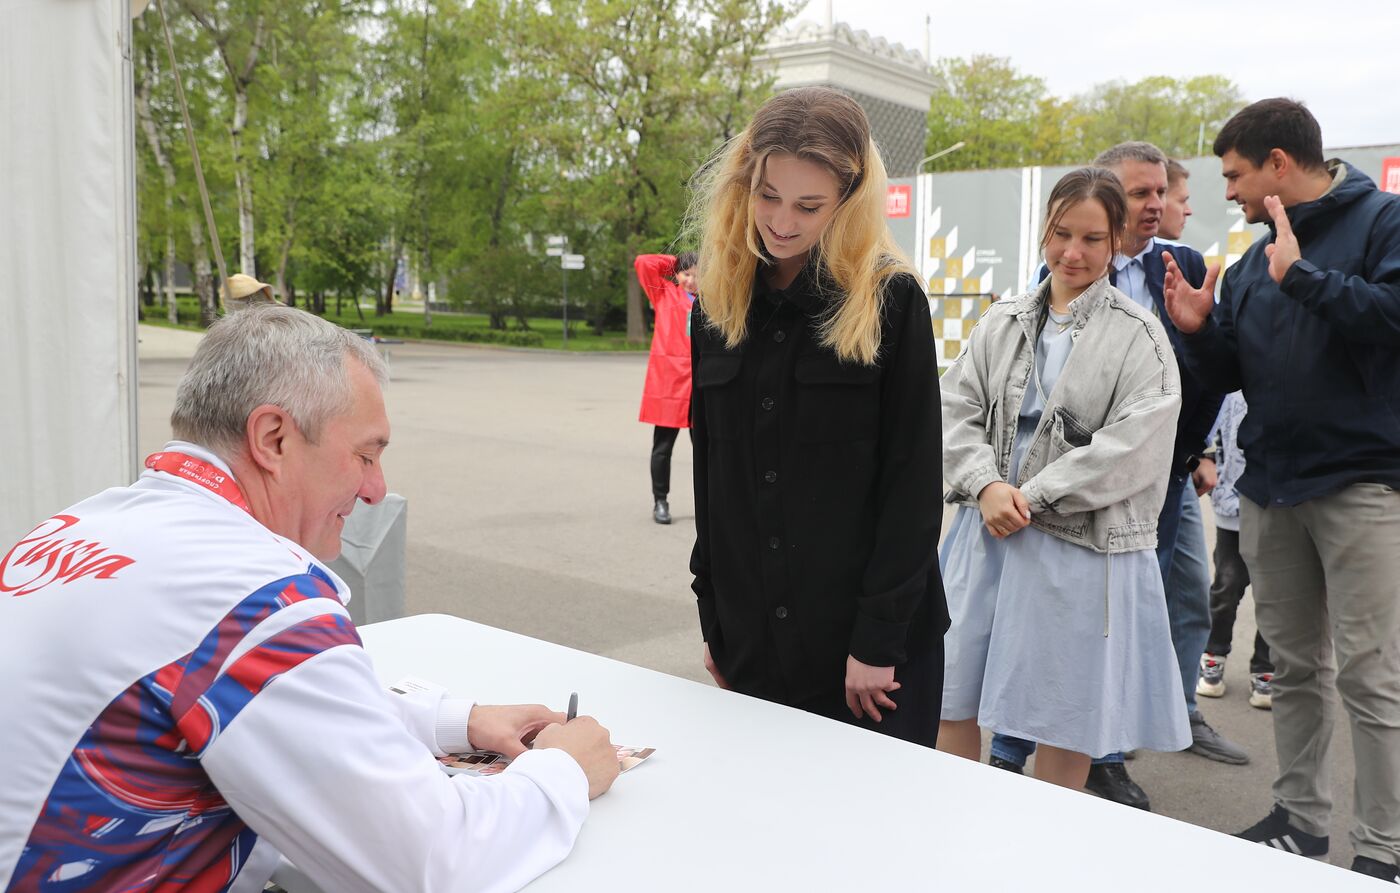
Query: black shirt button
column 774, row 542
column 779, row 336
column 770, row 476
column 766, row 403
column 781, row 613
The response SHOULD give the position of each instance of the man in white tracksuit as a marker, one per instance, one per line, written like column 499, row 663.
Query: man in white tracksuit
column 185, row 695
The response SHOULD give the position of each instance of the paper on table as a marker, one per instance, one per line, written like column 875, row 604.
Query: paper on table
column 485, row 762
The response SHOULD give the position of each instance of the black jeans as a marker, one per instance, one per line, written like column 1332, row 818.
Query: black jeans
column 1231, row 579
column 663, row 441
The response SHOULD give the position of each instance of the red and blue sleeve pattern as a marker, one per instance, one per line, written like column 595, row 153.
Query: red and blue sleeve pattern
column 132, row 808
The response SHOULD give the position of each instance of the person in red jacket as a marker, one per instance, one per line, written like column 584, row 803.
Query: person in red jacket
column 669, row 283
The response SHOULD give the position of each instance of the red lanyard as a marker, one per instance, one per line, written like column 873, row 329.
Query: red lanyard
column 210, row 477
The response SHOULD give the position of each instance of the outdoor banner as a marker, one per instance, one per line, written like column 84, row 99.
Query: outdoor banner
column 974, row 236
column 897, row 200
column 1390, row 175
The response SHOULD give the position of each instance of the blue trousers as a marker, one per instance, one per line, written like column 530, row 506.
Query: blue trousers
column 1181, row 552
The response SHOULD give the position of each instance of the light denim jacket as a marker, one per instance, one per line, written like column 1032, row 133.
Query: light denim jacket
column 1095, row 473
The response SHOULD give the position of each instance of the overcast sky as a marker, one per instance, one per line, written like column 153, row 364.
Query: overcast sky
column 1340, row 58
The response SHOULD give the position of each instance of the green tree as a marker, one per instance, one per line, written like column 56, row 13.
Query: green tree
column 654, row 89
column 1010, row 119
column 238, row 29
column 992, row 107
column 311, row 114
column 162, row 144
column 1181, row 116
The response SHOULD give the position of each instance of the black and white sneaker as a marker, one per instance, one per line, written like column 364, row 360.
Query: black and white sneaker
column 1376, row 869
column 1278, row 832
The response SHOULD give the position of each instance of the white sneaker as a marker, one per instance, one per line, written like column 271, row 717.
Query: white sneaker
column 1211, row 684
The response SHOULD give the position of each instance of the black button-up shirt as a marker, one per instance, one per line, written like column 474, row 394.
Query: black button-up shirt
column 817, row 492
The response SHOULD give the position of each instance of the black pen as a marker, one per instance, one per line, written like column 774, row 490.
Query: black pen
column 573, row 707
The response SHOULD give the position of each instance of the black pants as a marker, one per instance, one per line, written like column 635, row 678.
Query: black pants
column 1231, row 579
column 663, row 441
column 920, row 701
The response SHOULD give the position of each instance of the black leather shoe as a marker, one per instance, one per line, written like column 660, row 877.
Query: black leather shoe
column 1111, row 782
column 661, row 512
column 1374, row 868
column 999, row 763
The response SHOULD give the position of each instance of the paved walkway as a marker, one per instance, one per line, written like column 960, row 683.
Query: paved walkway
column 529, row 509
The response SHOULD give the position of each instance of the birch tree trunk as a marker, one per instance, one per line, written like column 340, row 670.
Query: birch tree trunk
column 167, row 174
column 241, row 76
column 242, row 177
column 283, row 256
column 203, row 274
column 172, row 313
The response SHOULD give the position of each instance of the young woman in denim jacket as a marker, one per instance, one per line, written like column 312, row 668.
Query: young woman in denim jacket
column 1058, row 422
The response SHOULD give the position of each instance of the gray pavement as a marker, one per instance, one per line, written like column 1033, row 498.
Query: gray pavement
column 529, row 509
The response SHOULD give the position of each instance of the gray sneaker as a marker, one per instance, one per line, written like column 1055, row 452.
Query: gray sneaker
column 1211, row 681
column 1212, row 745
column 1261, row 690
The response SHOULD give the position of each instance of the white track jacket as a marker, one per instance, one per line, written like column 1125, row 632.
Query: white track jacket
column 183, row 695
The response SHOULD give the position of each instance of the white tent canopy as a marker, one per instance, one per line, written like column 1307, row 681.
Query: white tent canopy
column 67, row 252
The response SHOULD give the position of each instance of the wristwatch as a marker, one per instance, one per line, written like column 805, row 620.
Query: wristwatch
column 1194, row 461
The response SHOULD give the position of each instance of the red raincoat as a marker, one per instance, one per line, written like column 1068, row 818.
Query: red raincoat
column 666, row 395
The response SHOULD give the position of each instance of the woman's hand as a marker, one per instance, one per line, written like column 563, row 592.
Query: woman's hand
column 1004, row 509
column 713, row 669
column 867, row 689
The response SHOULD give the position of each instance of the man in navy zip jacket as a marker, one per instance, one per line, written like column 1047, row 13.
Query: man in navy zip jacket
column 1308, row 325
column 1138, row 271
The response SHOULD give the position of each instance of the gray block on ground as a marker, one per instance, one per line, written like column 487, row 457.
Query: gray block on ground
column 373, row 559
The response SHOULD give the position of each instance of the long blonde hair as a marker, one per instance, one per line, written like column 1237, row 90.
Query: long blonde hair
column 856, row 249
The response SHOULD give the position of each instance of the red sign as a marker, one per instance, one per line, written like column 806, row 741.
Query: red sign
column 899, row 199
column 1390, row 175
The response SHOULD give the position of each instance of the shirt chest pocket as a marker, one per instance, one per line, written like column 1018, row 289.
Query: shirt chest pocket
column 836, row 402
column 716, row 375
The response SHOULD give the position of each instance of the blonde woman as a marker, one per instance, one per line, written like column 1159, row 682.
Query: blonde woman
column 1059, row 420
column 816, row 428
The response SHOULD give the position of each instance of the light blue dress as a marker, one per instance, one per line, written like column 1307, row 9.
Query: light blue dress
column 1054, row 642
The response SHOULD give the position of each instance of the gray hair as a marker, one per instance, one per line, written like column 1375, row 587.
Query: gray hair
column 1133, row 150
column 268, row 353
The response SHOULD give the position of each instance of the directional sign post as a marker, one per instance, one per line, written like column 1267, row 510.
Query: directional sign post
column 568, row 262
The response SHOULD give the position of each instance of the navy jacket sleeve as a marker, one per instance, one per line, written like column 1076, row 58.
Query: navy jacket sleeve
column 1364, row 308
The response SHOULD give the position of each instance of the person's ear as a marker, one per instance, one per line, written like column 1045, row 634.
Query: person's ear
column 268, row 431
column 1280, row 162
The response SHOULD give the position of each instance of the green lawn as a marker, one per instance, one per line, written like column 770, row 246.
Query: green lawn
column 470, row 327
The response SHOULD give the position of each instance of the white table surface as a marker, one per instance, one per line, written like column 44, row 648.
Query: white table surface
column 747, row 795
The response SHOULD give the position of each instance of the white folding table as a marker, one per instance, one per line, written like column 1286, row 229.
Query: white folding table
column 746, row 795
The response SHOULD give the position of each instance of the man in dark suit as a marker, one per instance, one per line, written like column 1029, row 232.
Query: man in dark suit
column 1138, row 271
